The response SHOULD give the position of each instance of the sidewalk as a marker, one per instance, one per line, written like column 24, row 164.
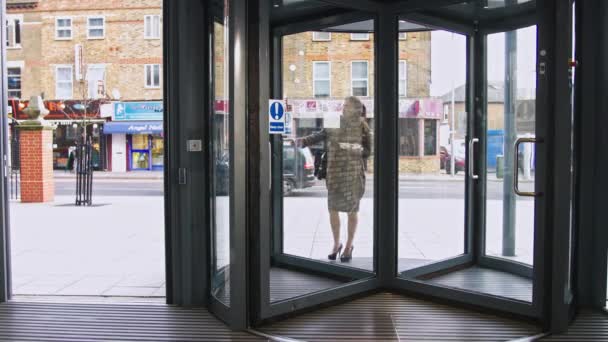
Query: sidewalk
column 115, row 248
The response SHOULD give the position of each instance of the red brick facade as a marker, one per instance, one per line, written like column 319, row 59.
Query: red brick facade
column 36, row 149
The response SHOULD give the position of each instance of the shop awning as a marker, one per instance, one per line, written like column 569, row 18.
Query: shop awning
column 133, row 127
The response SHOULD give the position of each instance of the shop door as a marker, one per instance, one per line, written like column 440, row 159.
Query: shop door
column 140, row 152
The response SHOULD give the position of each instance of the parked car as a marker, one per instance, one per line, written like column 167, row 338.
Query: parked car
column 298, row 167
column 445, row 158
column 222, row 174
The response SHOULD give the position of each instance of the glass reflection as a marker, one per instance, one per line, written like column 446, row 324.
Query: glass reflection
column 328, row 162
column 509, row 217
column 432, row 132
column 220, row 133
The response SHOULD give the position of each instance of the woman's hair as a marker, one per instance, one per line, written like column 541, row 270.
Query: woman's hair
column 353, row 107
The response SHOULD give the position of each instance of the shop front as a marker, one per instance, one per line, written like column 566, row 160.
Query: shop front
column 70, row 119
column 418, row 128
column 137, row 136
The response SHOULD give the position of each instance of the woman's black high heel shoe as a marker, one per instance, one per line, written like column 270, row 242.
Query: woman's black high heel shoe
column 346, row 257
column 335, row 254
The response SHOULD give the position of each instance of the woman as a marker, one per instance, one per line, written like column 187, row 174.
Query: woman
column 347, row 148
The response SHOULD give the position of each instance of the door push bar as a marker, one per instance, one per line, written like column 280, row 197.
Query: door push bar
column 472, row 143
column 516, row 171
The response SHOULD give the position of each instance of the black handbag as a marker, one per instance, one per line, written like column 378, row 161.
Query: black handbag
column 322, row 172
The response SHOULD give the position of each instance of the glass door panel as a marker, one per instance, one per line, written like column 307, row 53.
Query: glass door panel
column 326, row 234
column 511, row 129
column 432, row 147
column 220, row 159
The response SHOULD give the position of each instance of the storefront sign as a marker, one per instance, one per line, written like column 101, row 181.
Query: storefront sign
column 61, row 110
column 149, row 110
column 142, row 127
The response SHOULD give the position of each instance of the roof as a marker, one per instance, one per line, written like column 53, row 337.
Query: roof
column 496, row 93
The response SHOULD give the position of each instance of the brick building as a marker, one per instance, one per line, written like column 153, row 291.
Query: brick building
column 78, row 53
column 320, row 69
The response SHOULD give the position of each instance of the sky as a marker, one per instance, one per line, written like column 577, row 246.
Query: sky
column 448, row 59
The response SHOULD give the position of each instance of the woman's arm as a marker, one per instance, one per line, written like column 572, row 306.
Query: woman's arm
column 313, row 138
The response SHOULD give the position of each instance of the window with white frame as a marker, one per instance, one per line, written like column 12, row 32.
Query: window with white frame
column 402, row 78
column 152, row 75
column 321, row 76
column 96, row 27
column 63, row 28
column 63, row 82
column 96, row 75
column 152, row 27
column 402, row 35
column 321, row 36
column 359, row 78
column 14, row 82
column 13, row 31
column 359, row 36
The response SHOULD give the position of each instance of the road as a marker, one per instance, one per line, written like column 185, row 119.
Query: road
column 421, row 189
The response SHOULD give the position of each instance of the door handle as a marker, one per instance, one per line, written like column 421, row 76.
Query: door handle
column 516, row 170
column 472, row 143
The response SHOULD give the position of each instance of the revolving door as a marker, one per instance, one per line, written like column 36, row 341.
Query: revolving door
column 455, row 196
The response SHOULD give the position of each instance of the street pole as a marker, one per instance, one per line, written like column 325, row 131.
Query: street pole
column 452, row 124
column 510, row 136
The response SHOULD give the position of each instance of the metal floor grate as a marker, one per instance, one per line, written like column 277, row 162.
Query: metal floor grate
column 392, row 317
column 21, row 321
column 485, row 280
column 587, row 326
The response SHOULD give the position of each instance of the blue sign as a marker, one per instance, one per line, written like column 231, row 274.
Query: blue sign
column 149, row 110
column 139, row 127
column 277, row 110
column 276, row 117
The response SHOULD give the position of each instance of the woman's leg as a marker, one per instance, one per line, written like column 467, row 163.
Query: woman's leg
column 334, row 221
column 353, row 220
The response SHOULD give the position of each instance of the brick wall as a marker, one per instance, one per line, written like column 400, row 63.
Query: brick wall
column 37, row 184
column 124, row 50
column 301, row 51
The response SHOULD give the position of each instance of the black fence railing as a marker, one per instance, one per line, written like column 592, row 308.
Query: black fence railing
column 84, row 173
column 14, row 183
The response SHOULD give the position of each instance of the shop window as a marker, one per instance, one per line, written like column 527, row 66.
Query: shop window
column 71, row 132
column 408, row 137
column 152, row 27
column 321, row 72
column 359, row 78
column 96, row 27
column 158, row 154
column 321, row 36
column 96, row 75
column 14, row 83
column 13, row 32
column 430, row 137
column 359, row 36
column 403, row 78
column 63, row 82
column 63, row 28
column 139, row 142
column 152, row 75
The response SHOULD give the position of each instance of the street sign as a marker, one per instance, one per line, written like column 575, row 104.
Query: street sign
column 276, row 117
